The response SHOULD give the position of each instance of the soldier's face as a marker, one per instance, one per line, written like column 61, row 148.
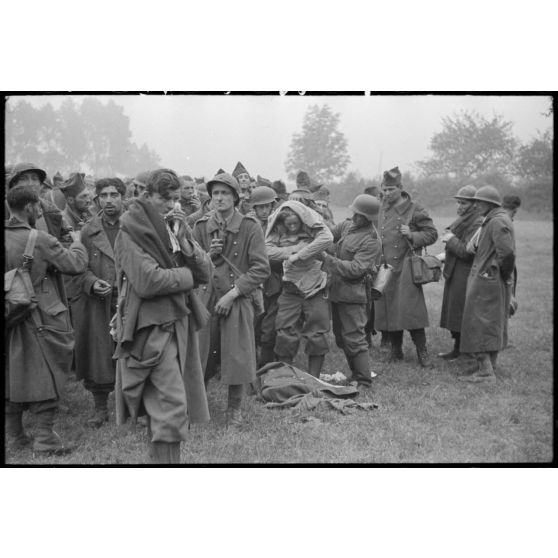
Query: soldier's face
column 511, row 211
column 263, row 211
column 321, row 206
column 391, row 194
column 163, row 204
column 484, row 207
column 188, row 191
column 29, row 178
column 110, row 201
column 292, row 223
column 463, row 206
column 222, row 198
column 82, row 201
column 360, row 220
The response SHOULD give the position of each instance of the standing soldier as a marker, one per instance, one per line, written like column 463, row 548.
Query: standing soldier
column 356, row 253
column 78, row 200
column 458, row 265
column 484, row 331
column 296, row 237
column 96, row 305
column 235, row 243
column 245, row 183
column 404, row 226
column 263, row 202
column 39, row 348
column 159, row 370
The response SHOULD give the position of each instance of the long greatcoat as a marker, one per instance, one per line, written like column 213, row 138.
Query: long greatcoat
column 91, row 313
column 402, row 304
column 244, row 246
column 485, row 316
column 39, row 359
column 456, row 270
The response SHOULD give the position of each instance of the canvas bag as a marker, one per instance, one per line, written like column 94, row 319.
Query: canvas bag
column 424, row 269
column 19, row 295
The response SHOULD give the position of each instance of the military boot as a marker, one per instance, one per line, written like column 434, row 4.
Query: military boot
column 165, row 453
column 15, row 435
column 100, row 415
column 423, row 358
column 233, row 413
column 315, row 364
column 361, row 371
column 396, row 353
column 453, row 354
column 484, row 373
column 47, row 441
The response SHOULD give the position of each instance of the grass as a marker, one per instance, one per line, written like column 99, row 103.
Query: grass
column 422, row 416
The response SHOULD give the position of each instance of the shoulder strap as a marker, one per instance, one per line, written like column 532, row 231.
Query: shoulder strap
column 29, row 249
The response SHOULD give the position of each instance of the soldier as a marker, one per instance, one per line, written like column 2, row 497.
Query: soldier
column 280, row 191
column 457, row 265
column 78, row 200
column 94, row 308
column 404, row 226
column 188, row 196
column 245, row 183
column 263, row 201
column 39, row 348
column 321, row 205
column 159, row 370
column 140, row 183
column 51, row 219
column 511, row 204
column 484, row 330
column 296, row 237
column 357, row 249
column 235, row 243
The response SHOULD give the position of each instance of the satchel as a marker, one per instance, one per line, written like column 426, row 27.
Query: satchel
column 19, row 295
column 425, row 269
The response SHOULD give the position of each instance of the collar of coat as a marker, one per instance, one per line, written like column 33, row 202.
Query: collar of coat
column 232, row 226
column 494, row 213
column 99, row 236
column 16, row 223
column 405, row 205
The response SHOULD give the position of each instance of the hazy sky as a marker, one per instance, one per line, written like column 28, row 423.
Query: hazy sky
column 198, row 134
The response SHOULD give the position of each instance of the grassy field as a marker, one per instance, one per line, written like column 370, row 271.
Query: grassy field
column 422, row 416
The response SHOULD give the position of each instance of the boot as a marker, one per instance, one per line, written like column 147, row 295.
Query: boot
column 396, row 353
column 361, row 371
column 485, row 371
column 234, row 413
column 385, row 344
column 471, row 369
column 101, row 411
column 423, row 358
column 47, row 440
column 453, row 354
column 15, row 435
column 165, row 452
column 315, row 364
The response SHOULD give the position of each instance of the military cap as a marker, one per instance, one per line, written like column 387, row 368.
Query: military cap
column 57, row 180
column 239, row 169
column 392, row 177
column 220, row 171
column 466, row 192
column 488, row 194
column 74, row 185
column 511, row 201
column 199, row 180
column 303, row 180
column 228, row 180
column 321, row 194
column 187, row 177
column 279, row 186
column 261, row 181
column 142, row 178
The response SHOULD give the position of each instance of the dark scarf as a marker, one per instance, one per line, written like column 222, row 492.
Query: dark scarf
column 147, row 229
column 463, row 223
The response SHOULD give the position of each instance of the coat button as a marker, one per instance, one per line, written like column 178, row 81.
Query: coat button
column 395, row 245
column 394, row 257
column 231, row 275
column 234, row 242
column 236, row 253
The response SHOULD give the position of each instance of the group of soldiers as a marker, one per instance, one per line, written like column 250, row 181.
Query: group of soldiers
column 151, row 288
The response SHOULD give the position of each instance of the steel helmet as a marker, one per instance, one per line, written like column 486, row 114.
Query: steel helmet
column 262, row 195
column 20, row 168
column 466, row 193
column 488, row 194
column 228, row 180
column 366, row 205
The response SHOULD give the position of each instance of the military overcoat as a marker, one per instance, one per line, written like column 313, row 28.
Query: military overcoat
column 91, row 313
column 39, row 356
column 244, row 246
column 485, row 316
column 402, row 304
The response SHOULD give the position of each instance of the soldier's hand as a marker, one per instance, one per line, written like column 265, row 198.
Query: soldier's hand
column 216, row 247
column 405, row 230
column 101, row 288
column 445, row 237
column 224, row 304
column 75, row 235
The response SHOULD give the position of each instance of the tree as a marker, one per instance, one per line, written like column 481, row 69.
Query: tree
column 90, row 137
column 320, row 149
column 534, row 160
column 470, row 144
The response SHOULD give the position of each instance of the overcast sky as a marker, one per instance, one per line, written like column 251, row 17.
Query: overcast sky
column 198, row 134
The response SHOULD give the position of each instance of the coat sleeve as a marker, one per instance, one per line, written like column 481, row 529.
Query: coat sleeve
column 71, row 261
column 144, row 273
column 502, row 237
column 364, row 260
column 258, row 264
column 278, row 253
column 459, row 246
column 322, row 241
column 423, row 231
column 199, row 262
